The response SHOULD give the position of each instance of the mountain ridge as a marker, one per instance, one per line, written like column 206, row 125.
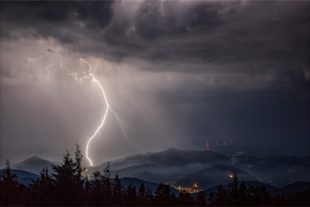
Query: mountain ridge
column 178, row 166
column 34, row 164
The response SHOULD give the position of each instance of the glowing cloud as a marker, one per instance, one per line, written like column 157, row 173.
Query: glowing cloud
column 80, row 79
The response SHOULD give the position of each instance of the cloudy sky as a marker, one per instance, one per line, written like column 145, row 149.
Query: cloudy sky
column 176, row 72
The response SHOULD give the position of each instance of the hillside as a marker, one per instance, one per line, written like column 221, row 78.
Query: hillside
column 23, row 176
column 34, row 165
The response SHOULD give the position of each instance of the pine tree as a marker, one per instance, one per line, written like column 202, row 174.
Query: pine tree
column 162, row 195
column 200, row 199
column 131, row 195
column 241, row 194
column 107, row 185
column 101, row 188
column 96, row 189
column 80, row 180
column 117, row 191
column 79, row 169
column 9, row 187
column 233, row 191
column 66, row 185
column 221, row 196
column 107, row 170
column 211, row 198
column 185, row 199
column 42, row 190
column 142, row 198
column 149, row 196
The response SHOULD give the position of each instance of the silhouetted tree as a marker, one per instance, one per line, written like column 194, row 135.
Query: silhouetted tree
column 80, row 180
column 185, row 199
column 11, row 192
column 149, row 197
column 211, row 198
column 66, row 184
column 163, row 195
column 79, row 169
column 131, row 195
column 221, row 197
column 96, row 189
column 42, row 190
column 233, row 191
column 101, row 188
column 117, row 191
column 107, row 170
column 107, row 185
column 237, row 193
column 200, row 198
column 142, row 198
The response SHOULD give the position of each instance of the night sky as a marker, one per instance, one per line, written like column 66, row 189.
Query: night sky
column 177, row 73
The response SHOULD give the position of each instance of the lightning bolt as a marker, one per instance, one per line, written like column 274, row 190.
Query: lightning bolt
column 91, row 76
column 107, row 109
column 102, row 121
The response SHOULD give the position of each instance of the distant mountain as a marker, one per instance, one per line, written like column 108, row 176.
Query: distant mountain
column 294, row 188
column 165, row 166
column 209, row 168
column 214, row 175
column 169, row 157
column 269, row 188
column 255, row 151
column 24, row 177
column 279, row 171
column 34, row 165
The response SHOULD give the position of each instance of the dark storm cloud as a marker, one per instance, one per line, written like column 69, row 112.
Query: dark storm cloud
column 220, row 32
column 190, row 31
column 204, row 68
column 59, row 20
column 156, row 19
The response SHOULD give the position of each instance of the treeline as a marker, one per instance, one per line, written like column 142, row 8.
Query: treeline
column 68, row 184
column 239, row 193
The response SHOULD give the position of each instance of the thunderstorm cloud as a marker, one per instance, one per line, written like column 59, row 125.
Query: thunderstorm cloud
column 177, row 72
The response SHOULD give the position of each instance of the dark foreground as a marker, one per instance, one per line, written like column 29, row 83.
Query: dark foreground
column 69, row 185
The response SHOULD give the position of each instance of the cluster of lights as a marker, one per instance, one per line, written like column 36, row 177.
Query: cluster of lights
column 193, row 189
